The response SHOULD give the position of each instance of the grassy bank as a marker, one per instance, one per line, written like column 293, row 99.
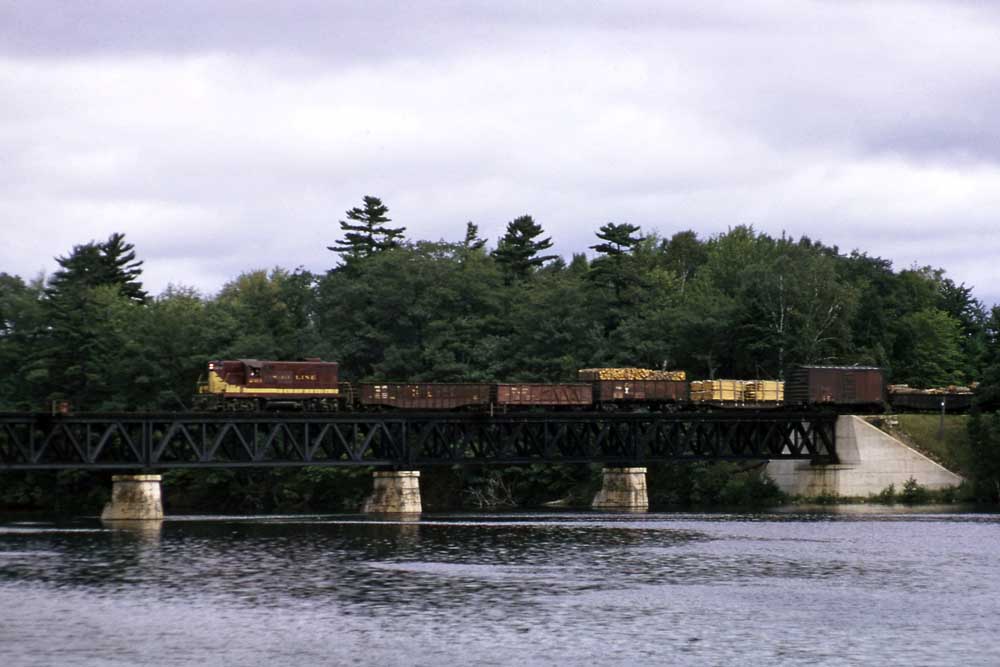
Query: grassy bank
column 948, row 446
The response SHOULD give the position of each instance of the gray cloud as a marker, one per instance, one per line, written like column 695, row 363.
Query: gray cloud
column 372, row 30
column 197, row 126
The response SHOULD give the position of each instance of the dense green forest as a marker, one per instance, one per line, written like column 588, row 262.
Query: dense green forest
column 740, row 304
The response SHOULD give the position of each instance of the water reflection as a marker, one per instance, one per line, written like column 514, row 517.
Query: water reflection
column 148, row 531
column 547, row 587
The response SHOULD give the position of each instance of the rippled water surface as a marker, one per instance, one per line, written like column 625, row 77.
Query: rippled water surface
column 860, row 587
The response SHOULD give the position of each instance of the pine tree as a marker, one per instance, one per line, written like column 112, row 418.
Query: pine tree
column 365, row 231
column 619, row 239
column 96, row 264
column 612, row 267
column 517, row 251
column 88, row 303
column 121, row 267
column 472, row 240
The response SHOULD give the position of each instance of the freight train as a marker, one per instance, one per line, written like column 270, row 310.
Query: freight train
column 248, row 385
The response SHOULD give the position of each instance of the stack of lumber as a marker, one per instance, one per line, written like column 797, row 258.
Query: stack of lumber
column 950, row 389
column 764, row 391
column 724, row 391
column 592, row 374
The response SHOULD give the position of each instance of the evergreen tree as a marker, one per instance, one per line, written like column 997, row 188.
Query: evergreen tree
column 96, row 264
column 121, row 267
column 618, row 239
column 472, row 240
column 613, row 267
column 517, row 253
column 90, row 308
column 365, row 231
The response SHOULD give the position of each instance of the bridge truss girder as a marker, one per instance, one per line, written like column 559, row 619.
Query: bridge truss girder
column 164, row 441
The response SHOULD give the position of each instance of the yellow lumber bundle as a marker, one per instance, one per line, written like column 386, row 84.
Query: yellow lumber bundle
column 591, row 374
column 726, row 391
column 740, row 392
column 764, row 391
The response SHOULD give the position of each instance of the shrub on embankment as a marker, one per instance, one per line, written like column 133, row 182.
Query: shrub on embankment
column 966, row 444
column 704, row 484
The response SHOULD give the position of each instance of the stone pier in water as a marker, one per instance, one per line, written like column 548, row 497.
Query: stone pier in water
column 622, row 489
column 134, row 497
column 395, row 492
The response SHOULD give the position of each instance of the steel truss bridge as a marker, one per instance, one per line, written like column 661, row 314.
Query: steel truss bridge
column 405, row 440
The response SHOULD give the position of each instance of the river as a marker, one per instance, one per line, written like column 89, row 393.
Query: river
column 853, row 586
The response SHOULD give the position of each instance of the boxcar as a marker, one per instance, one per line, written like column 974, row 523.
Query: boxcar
column 423, row 395
column 858, row 386
column 576, row 394
column 640, row 391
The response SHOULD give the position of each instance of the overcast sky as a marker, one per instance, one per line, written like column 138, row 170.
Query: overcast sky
column 228, row 136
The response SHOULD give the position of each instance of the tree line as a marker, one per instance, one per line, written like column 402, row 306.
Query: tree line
column 740, row 304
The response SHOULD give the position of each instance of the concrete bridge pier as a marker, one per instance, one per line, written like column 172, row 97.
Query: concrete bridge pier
column 394, row 492
column 134, row 498
column 622, row 489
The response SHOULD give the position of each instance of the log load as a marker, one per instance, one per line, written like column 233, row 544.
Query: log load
column 595, row 374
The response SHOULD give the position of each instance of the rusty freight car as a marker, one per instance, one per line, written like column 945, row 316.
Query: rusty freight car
column 852, row 387
column 645, row 392
column 566, row 395
column 252, row 384
column 423, row 395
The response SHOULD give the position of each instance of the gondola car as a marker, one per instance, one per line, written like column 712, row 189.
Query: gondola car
column 422, row 395
column 537, row 394
column 905, row 399
column 652, row 394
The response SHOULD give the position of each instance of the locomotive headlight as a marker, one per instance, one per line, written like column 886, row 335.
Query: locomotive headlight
column 211, row 366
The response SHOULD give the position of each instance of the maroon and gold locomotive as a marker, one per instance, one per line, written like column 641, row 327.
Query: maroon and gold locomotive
column 250, row 384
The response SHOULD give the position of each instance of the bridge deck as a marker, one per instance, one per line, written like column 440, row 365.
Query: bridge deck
column 171, row 440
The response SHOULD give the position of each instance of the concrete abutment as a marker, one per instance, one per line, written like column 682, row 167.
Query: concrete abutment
column 870, row 460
